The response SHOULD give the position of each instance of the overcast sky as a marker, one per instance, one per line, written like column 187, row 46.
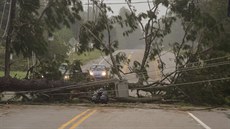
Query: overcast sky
column 140, row 7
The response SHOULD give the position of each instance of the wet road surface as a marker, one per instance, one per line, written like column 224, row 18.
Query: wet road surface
column 77, row 117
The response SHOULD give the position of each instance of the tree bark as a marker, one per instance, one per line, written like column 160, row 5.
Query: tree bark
column 8, row 37
column 13, row 84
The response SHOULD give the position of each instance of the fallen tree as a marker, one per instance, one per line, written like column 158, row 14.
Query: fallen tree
column 140, row 100
column 13, row 84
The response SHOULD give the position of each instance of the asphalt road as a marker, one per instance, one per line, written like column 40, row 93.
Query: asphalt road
column 76, row 117
column 133, row 55
column 154, row 72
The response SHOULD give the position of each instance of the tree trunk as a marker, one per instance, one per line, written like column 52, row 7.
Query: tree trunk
column 8, row 38
column 111, row 54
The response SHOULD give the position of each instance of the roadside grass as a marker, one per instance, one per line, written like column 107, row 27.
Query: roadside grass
column 17, row 74
column 85, row 57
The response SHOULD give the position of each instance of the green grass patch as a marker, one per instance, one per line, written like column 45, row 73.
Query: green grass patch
column 17, row 74
column 85, row 57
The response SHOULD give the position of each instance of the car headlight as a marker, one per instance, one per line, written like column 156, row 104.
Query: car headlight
column 66, row 77
column 91, row 73
column 103, row 73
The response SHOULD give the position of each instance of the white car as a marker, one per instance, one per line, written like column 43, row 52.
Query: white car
column 99, row 71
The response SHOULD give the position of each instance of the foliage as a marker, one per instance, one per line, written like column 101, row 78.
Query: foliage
column 86, row 56
column 32, row 23
column 76, row 73
column 206, row 26
column 3, row 18
column 16, row 74
column 100, row 33
column 48, row 69
column 59, row 47
column 154, row 31
column 133, row 40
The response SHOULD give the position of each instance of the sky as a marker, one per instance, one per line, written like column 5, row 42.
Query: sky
column 142, row 6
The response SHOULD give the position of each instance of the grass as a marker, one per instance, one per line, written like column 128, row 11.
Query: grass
column 17, row 74
column 85, row 57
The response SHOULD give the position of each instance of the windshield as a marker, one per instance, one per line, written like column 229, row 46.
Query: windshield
column 98, row 67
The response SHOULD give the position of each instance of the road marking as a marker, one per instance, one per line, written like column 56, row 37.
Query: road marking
column 73, row 119
column 199, row 121
column 101, row 61
column 104, row 59
column 129, row 57
column 126, row 66
column 82, row 119
column 157, row 70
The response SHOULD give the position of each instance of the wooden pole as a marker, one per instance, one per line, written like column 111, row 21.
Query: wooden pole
column 8, row 37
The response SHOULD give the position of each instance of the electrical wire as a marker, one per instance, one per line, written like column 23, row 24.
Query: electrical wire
column 190, row 68
column 120, row 3
column 8, row 20
column 3, row 12
column 143, row 88
column 198, row 67
column 114, row 80
column 77, row 86
column 189, row 83
column 183, row 70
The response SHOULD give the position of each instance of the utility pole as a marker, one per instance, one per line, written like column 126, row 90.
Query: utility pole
column 229, row 8
column 3, row 12
column 88, row 11
column 96, row 13
column 8, row 37
column 93, row 11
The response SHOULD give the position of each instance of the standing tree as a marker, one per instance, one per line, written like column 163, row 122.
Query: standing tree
column 153, row 30
column 100, row 33
column 29, row 25
column 204, row 50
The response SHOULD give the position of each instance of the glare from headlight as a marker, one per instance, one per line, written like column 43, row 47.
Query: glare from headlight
column 103, row 73
column 66, row 77
column 91, row 73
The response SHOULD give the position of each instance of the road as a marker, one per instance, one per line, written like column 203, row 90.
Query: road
column 133, row 55
column 137, row 55
column 77, row 117
column 154, row 72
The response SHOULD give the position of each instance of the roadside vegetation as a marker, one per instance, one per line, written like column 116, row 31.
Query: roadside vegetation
column 86, row 56
column 16, row 74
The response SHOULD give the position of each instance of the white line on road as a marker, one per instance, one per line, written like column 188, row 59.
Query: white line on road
column 199, row 121
column 103, row 59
